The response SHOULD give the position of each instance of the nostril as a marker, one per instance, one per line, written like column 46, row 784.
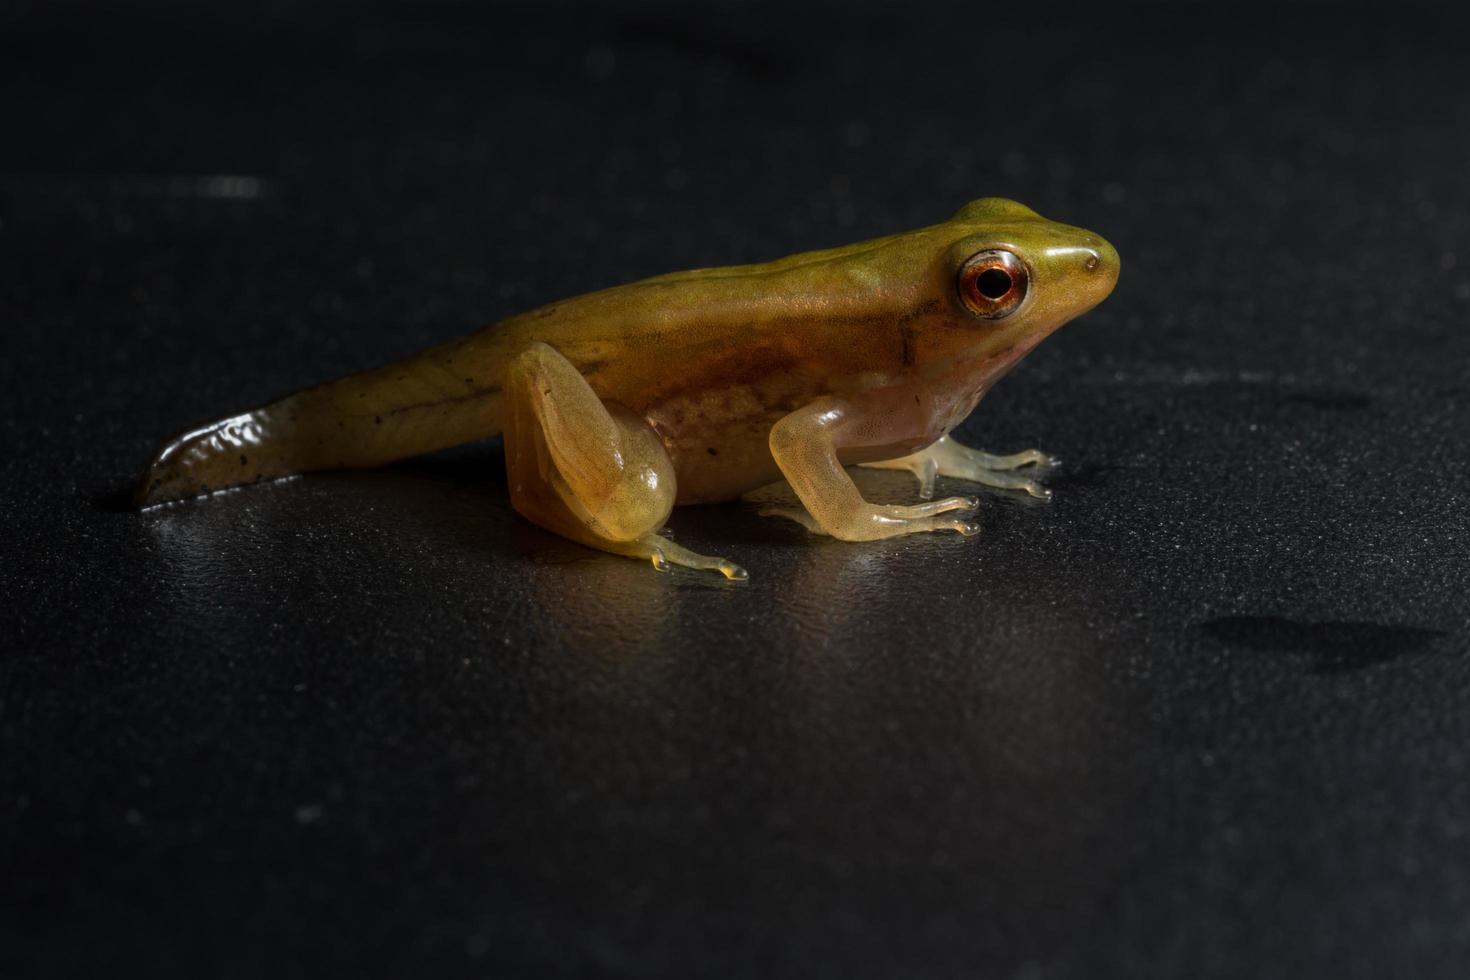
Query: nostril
column 1093, row 260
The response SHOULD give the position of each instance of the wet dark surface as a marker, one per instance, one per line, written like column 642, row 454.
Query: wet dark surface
column 1204, row 715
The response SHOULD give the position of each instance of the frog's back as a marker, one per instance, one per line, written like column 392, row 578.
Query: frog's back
column 701, row 330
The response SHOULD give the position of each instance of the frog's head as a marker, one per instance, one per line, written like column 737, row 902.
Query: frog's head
column 1010, row 277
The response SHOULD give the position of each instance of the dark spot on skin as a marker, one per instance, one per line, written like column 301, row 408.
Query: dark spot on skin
column 713, row 451
column 469, row 381
column 907, row 333
column 906, row 329
column 1333, row 647
column 377, row 420
column 445, row 404
column 1332, row 399
column 244, row 460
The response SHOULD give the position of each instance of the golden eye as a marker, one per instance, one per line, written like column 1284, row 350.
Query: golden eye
column 992, row 283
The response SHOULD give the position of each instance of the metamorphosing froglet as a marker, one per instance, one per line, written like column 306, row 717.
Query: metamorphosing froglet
column 701, row 386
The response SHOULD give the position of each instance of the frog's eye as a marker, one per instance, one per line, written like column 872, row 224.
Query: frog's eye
column 992, row 283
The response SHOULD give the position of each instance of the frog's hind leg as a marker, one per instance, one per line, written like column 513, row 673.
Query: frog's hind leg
column 592, row 472
column 945, row 457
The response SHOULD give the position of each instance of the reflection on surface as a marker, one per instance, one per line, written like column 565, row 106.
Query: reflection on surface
column 975, row 653
column 440, row 533
column 980, row 725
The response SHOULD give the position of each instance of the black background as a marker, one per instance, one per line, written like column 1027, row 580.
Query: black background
column 1204, row 715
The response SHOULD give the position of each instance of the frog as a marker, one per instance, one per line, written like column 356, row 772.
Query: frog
column 707, row 385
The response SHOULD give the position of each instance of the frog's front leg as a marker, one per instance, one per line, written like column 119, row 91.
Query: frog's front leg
column 945, row 457
column 592, row 472
column 805, row 445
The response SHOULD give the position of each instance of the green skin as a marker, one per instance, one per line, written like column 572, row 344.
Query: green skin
column 712, row 359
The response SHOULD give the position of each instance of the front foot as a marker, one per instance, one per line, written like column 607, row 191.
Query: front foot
column 872, row 522
column 945, row 457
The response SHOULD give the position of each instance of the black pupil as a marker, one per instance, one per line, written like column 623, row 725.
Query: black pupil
column 993, row 283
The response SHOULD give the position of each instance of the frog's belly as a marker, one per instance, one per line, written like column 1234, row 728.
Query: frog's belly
column 717, row 456
column 721, row 448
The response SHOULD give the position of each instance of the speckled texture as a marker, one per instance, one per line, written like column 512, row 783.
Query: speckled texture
column 1206, row 715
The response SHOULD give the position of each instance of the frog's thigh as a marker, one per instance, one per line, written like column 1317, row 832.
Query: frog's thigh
column 945, row 457
column 805, row 445
column 595, row 473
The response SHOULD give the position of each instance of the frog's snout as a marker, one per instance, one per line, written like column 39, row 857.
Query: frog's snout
column 1100, row 265
column 1088, row 262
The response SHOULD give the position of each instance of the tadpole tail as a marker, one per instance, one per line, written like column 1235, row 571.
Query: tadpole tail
column 442, row 397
